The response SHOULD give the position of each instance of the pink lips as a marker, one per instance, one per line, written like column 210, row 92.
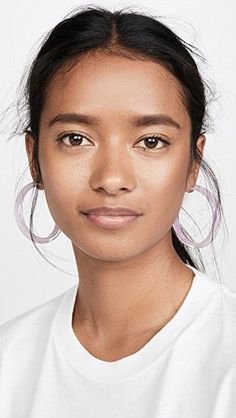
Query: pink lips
column 111, row 218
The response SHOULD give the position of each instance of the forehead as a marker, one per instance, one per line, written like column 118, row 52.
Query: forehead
column 115, row 85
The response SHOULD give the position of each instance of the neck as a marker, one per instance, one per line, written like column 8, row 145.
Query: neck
column 116, row 300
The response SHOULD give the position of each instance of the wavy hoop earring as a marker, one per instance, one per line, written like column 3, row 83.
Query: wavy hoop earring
column 21, row 222
column 215, row 224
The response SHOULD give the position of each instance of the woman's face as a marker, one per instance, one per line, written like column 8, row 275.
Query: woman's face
column 109, row 163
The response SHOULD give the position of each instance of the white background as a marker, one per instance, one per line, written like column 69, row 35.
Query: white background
column 26, row 280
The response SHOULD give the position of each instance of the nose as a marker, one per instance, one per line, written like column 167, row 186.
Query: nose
column 112, row 170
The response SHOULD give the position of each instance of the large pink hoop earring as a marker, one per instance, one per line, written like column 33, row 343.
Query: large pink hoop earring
column 20, row 218
column 215, row 224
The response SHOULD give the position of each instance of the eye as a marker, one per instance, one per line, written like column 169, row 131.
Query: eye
column 75, row 138
column 152, row 141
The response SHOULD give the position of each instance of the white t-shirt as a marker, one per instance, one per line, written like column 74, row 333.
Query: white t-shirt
column 187, row 370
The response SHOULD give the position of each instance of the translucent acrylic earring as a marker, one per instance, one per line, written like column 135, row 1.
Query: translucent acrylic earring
column 212, row 200
column 20, row 218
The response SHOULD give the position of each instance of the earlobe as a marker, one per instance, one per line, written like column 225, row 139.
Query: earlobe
column 192, row 178
column 29, row 145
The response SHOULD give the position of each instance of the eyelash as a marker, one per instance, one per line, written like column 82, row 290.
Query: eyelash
column 157, row 137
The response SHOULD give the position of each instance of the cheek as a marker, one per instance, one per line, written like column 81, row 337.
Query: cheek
column 64, row 183
column 61, row 173
column 165, row 187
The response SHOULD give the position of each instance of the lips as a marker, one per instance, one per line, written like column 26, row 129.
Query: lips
column 109, row 211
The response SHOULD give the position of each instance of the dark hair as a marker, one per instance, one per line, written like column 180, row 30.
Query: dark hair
column 135, row 36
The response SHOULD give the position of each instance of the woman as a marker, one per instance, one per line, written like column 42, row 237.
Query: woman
column 115, row 137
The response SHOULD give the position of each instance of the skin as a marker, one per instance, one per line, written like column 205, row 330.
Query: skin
column 131, row 280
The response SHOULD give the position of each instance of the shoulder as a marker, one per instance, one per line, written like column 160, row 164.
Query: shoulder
column 224, row 295
column 228, row 302
column 29, row 326
column 220, row 310
column 224, row 321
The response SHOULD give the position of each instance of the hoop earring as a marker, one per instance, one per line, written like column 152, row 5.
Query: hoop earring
column 20, row 218
column 212, row 200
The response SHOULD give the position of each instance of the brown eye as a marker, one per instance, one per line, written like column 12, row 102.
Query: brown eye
column 154, row 142
column 73, row 139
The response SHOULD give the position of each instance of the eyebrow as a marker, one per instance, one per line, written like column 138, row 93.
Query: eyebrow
column 143, row 120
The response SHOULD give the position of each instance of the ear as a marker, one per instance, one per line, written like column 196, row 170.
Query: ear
column 194, row 170
column 29, row 145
